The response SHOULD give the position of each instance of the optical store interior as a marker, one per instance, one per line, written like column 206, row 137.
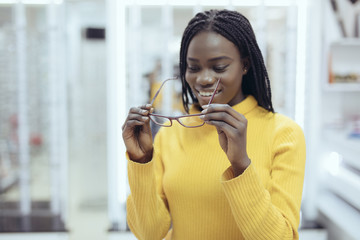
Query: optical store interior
column 71, row 69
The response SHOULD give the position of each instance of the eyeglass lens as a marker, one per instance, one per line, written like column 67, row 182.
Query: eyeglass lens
column 162, row 121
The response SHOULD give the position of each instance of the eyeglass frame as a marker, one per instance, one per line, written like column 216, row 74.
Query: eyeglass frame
column 182, row 116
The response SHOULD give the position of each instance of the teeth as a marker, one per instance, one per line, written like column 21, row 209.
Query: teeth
column 207, row 94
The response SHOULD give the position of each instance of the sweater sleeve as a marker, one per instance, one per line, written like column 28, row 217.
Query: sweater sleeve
column 272, row 212
column 147, row 211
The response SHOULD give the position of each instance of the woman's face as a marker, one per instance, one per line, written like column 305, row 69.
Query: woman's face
column 210, row 56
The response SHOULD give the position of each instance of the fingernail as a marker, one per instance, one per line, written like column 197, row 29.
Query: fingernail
column 202, row 116
column 148, row 105
column 205, row 106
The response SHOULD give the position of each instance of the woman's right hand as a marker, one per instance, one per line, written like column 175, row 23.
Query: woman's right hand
column 137, row 135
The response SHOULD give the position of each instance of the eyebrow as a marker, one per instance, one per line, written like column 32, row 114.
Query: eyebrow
column 212, row 59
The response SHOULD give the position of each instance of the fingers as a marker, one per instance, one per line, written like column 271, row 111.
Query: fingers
column 226, row 120
column 224, row 116
column 138, row 116
column 143, row 110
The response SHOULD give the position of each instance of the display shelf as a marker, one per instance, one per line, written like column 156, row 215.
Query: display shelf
column 340, row 142
column 342, row 87
column 9, row 180
column 348, row 42
column 345, row 183
column 335, row 150
column 340, row 214
column 343, row 69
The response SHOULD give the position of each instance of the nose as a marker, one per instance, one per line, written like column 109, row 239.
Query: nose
column 206, row 80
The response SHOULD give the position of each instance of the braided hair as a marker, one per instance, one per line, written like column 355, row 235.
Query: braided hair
column 236, row 28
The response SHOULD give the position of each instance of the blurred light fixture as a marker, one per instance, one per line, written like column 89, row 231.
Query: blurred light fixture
column 214, row 3
column 32, row 2
column 332, row 163
column 301, row 62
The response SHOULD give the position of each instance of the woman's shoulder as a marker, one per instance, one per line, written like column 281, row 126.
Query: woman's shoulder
column 274, row 122
column 284, row 121
column 275, row 119
column 286, row 126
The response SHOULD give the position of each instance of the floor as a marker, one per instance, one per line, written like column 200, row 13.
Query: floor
column 304, row 235
column 60, row 236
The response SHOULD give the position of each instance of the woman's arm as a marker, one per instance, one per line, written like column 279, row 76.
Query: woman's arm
column 271, row 212
column 261, row 213
column 147, row 211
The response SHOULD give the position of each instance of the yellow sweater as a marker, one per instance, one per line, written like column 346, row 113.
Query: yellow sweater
column 189, row 185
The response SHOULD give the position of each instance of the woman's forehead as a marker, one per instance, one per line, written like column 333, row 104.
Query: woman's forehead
column 212, row 45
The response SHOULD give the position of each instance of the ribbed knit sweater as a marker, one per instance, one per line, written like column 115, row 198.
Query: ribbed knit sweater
column 189, row 186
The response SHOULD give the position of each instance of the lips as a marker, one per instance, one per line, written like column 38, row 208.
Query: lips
column 207, row 93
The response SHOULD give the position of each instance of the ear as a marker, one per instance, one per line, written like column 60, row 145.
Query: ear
column 246, row 65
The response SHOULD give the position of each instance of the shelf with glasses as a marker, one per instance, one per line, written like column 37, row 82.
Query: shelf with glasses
column 343, row 68
column 342, row 87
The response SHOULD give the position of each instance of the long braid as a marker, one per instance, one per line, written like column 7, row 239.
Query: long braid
column 236, row 28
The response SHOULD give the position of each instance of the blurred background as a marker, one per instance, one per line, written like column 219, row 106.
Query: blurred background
column 71, row 69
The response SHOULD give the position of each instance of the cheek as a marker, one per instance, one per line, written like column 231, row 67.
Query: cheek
column 187, row 75
column 233, row 88
column 189, row 78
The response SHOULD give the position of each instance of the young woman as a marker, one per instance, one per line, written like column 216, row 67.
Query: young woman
column 239, row 175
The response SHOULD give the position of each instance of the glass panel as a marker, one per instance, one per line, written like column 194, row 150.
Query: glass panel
column 39, row 122
column 16, row 181
column 277, row 43
column 9, row 152
column 38, row 102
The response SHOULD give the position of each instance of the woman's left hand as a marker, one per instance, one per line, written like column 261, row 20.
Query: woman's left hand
column 231, row 127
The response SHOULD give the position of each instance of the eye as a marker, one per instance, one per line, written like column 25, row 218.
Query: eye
column 193, row 68
column 220, row 68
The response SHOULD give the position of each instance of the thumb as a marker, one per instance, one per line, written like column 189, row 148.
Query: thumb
column 146, row 127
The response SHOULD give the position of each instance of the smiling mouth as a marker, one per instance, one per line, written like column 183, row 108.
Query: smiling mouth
column 207, row 94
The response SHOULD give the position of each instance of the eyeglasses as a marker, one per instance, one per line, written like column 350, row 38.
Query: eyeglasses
column 188, row 121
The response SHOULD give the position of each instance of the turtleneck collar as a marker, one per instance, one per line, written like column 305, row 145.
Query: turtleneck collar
column 243, row 107
column 246, row 105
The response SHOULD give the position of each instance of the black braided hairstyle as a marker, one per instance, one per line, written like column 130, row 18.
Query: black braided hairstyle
column 236, row 28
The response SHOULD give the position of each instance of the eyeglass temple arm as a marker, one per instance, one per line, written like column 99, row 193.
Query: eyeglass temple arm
column 158, row 91
column 213, row 95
